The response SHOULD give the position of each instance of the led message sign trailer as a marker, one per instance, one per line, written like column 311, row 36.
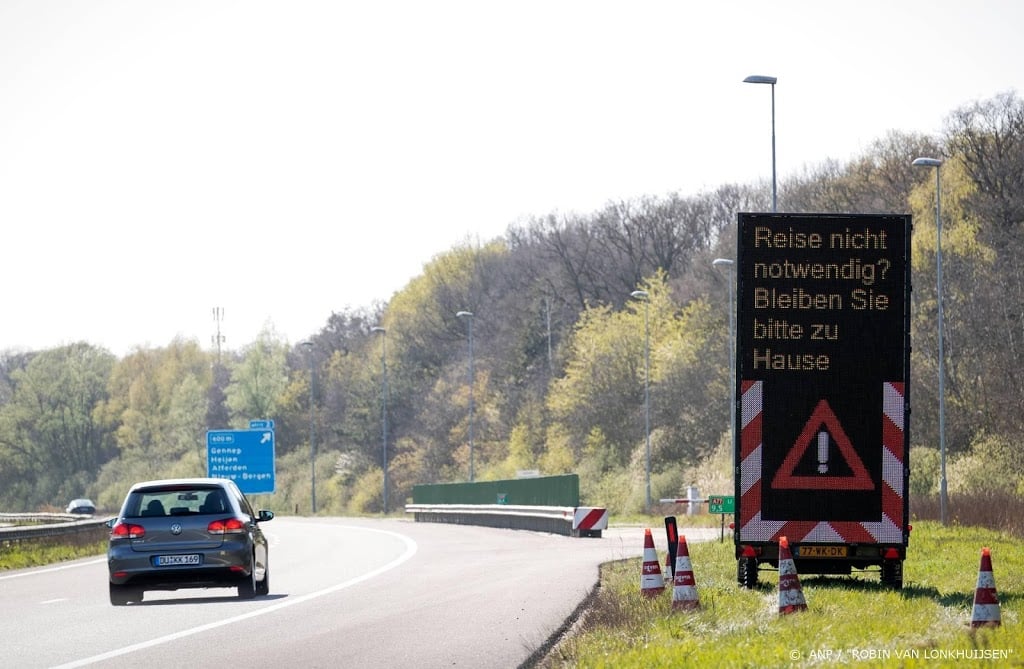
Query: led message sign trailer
column 822, row 356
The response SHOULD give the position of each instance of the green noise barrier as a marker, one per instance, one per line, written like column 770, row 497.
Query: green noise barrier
column 562, row 490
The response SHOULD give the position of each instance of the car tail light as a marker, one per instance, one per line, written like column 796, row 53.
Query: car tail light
column 226, row 526
column 127, row 531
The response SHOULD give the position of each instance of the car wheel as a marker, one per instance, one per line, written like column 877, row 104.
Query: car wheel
column 746, row 572
column 263, row 587
column 892, row 574
column 122, row 594
column 247, row 588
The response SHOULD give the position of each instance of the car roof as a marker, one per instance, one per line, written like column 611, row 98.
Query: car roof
column 79, row 500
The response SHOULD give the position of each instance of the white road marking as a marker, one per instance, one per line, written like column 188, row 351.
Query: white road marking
column 410, row 550
column 49, row 569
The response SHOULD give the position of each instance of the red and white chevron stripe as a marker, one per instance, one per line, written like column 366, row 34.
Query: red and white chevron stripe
column 888, row 529
column 588, row 518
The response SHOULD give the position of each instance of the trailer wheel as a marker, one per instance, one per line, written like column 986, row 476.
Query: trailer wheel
column 746, row 572
column 892, row 574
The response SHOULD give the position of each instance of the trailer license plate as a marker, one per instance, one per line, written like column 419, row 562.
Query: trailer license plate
column 177, row 560
column 821, row 551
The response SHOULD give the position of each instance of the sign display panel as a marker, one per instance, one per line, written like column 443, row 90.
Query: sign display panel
column 822, row 355
column 244, row 456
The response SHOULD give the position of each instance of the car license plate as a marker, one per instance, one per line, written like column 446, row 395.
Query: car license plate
column 821, row 551
column 177, row 560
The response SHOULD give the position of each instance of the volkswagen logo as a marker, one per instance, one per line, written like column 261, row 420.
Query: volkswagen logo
column 176, row 528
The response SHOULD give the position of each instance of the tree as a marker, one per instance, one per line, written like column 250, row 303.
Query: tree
column 986, row 145
column 50, row 428
column 258, row 380
column 691, row 385
column 158, row 406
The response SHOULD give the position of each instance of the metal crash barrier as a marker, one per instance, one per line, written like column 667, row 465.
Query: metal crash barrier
column 565, row 520
column 47, row 526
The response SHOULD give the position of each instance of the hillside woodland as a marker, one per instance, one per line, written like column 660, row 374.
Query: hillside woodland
column 557, row 353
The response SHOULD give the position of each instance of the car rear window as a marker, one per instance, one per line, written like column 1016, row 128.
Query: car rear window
column 177, row 501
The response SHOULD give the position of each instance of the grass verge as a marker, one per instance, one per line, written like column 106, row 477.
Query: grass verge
column 851, row 621
column 21, row 556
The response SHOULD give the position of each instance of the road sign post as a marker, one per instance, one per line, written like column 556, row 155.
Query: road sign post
column 722, row 504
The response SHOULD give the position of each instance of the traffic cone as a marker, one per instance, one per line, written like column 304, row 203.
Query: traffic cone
column 684, row 591
column 651, row 582
column 986, row 602
column 791, row 595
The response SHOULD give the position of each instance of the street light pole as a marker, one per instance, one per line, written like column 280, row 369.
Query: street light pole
column 547, row 319
column 943, row 493
column 643, row 295
column 763, row 79
column 312, row 432
column 384, row 406
column 468, row 315
column 728, row 264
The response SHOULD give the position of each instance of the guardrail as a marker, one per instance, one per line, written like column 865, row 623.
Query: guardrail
column 48, row 525
column 566, row 520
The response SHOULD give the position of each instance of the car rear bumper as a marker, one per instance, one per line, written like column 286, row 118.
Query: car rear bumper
column 179, row 579
column 218, row 569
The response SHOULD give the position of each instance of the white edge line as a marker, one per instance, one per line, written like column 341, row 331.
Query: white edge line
column 410, row 550
column 34, row 572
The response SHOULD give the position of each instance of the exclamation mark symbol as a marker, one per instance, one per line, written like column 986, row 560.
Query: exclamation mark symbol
column 822, row 452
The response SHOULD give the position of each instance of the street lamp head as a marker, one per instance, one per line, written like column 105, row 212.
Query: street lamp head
column 464, row 314
column 308, row 344
column 378, row 328
column 927, row 162
column 717, row 262
column 639, row 295
column 760, row 79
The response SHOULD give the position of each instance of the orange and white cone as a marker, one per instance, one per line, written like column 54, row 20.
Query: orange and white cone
column 684, row 591
column 651, row 581
column 986, row 602
column 791, row 595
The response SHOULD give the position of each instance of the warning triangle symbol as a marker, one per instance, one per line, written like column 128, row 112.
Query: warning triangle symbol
column 822, row 417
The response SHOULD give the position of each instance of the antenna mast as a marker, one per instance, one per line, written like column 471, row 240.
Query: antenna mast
column 218, row 316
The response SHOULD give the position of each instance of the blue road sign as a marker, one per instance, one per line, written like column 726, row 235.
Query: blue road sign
column 266, row 424
column 244, row 456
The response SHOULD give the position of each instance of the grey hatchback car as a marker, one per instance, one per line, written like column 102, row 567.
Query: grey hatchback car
column 187, row 533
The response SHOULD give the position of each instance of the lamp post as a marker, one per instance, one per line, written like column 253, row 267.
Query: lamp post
column 943, row 494
column 547, row 320
column 643, row 295
column 763, row 79
column 312, row 433
column 728, row 263
column 383, row 406
column 468, row 315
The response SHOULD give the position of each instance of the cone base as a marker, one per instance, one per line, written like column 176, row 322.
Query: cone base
column 793, row 608
column 685, row 606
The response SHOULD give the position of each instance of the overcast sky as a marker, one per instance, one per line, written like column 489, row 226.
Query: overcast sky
column 285, row 160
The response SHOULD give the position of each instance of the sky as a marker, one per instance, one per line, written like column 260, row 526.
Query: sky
column 283, row 161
